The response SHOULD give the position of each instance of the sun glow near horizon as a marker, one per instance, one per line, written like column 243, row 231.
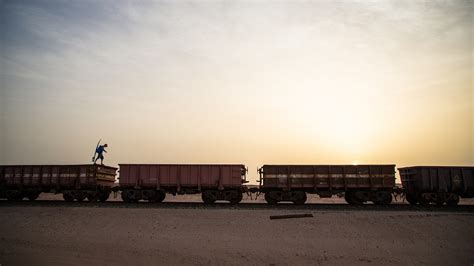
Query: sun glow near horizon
column 253, row 83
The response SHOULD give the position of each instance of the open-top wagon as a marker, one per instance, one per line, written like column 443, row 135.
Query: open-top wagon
column 358, row 183
column 151, row 182
column 437, row 184
column 75, row 182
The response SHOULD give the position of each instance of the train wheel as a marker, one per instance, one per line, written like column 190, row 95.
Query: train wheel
column 33, row 195
column 209, row 196
column 383, row 198
column 388, row 198
column 348, row 197
column 14, row 195
column 440, row 199
column 125, row 197
column 134, row 195
column 355, row 199
column 67, row 196
column 104, row 196
column 269, row 199
column 161, row 195
column 453, row 200
column 299, row 197
column 424, row 200
column 149, row 195
column 80, row 196
column 131, row 195
column 411, row 199
column 237, row 197
column 93, row 197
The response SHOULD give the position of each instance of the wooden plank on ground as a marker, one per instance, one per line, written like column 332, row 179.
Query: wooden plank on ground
column 289, row 216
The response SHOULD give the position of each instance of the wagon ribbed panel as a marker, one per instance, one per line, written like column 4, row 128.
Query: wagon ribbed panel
column 59, row 176
column 181, row 175
column 450, row 179
column 328, row 176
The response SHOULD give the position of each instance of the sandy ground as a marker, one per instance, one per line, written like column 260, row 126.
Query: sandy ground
column 127, row 236
column 312, row 198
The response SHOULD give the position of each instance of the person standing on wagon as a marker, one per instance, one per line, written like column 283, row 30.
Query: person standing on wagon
column 100, row 153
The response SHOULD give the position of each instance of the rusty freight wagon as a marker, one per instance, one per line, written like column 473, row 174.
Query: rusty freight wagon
column 75, row 182
column 437, row 184
column 359, row 183
column 151, row 182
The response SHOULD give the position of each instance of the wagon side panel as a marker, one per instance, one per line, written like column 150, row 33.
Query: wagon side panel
column 443, row 179
column 339, row 177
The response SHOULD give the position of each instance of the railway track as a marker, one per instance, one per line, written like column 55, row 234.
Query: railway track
column 241, row 206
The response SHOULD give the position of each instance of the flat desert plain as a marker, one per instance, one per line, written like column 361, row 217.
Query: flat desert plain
column 35, row 235
column 312, row 198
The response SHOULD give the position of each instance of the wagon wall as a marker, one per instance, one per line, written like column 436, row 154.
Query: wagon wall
column 181, row 175
column 328, row 176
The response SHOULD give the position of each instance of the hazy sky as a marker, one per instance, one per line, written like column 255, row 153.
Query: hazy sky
column 249, row 82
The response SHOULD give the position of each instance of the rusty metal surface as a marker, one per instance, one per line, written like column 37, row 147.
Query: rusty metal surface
column 220, row 176
column 339, row 177
column 449, row 179
column 56, row 176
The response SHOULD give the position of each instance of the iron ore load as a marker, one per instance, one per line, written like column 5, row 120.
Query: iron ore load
column 358, row 183
column 151, row 182
column 437, row 184
column 75, row 182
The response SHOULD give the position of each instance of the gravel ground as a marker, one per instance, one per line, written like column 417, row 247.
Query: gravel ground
column 129, row 236
column 312, row 198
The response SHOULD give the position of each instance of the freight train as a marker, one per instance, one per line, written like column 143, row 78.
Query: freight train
column 358, row 184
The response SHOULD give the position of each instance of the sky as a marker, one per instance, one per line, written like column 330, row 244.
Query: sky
column 252, row 82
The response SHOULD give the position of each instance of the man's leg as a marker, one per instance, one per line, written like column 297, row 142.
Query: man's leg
column 98, row 157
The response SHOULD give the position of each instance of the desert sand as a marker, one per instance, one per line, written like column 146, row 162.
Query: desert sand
column 151, row 236
column 251, row 198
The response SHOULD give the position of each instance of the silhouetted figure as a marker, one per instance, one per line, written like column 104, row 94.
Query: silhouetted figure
column 100, row 153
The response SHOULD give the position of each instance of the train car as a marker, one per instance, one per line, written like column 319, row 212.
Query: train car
column 358, row 183
column 437, row 184
column 151, row 182
column 75, row 182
